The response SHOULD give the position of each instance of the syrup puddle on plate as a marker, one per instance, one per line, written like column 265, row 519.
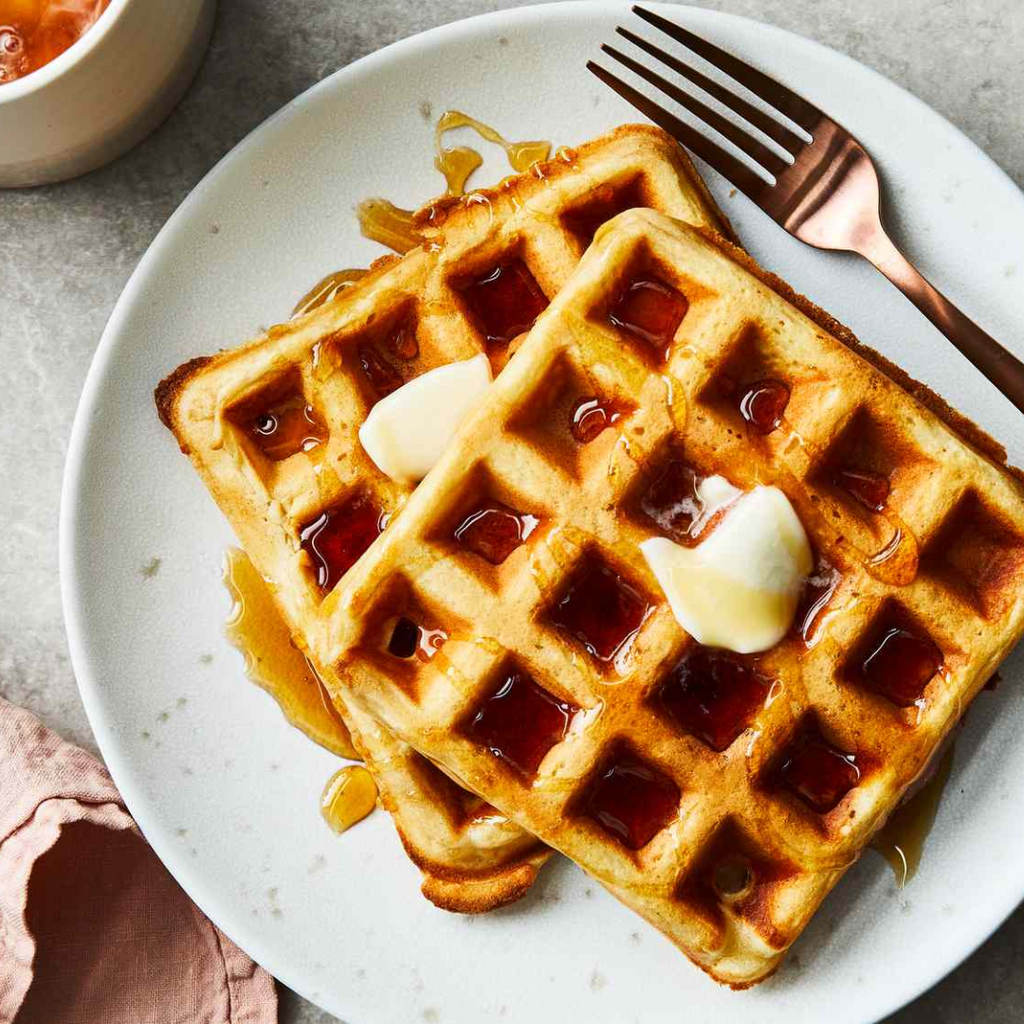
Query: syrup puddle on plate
column 274, row 663
column 393, row 226
column 458, row 163
column 349, row 796
column 902, row 839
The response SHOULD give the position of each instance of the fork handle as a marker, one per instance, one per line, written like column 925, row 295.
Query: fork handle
column 997, row 363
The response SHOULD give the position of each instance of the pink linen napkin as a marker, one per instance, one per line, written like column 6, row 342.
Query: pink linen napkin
column 92, row 927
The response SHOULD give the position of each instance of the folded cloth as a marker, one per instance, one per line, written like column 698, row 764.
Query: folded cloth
column 92, row 927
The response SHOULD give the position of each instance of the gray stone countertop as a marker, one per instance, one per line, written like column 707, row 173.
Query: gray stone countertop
column 66, row 252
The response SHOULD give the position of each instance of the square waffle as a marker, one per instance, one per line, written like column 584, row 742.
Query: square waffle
column 490, row 263
column 721, row 796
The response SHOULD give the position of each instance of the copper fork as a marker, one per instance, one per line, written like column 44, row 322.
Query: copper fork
column 827, row 194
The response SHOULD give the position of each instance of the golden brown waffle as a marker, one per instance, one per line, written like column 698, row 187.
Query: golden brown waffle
column 435, row 305
column 720, row 796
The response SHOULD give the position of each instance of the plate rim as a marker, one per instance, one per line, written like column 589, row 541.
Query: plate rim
column 71, row 590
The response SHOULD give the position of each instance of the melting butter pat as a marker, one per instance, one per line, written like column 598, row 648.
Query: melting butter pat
column 739, row 588
column 407, row 431
column 713, row 494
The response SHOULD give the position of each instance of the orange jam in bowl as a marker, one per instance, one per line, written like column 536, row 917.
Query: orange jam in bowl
column 34, row 32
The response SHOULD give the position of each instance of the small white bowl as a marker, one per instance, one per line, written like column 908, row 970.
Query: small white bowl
column 103, row 94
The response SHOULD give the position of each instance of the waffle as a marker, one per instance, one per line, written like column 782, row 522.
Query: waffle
column 719, row 796
column 405, row 317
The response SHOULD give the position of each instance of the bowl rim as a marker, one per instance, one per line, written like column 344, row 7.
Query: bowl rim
column 40, row 78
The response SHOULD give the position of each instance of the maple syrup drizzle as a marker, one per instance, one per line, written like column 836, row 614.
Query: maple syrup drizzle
column 409, row 639
column 348, row 797
column 601, row 610
column 521, row 721
column 384, row 360
column 763, row 403
column 505, row 302
column 393, row 226
column 400, row 229
column 897, row 561
column 899, row 663
column 888, row 550
column 591, row 416
column 817, row 772
column 274, row 663
column 631, row 800
column 287, row 428
column 458, row 163
column 326, row 289
column 867, row 488
column 652, row 311
column 671, row 501
column 818, row 590
column 337, row 538
column 902, row 839
column 382, row 374
column 713, row 695
column 494, row 531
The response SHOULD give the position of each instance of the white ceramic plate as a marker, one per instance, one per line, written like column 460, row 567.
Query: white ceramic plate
column 227, row 794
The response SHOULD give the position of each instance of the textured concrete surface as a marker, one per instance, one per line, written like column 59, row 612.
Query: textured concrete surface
column 67, row 250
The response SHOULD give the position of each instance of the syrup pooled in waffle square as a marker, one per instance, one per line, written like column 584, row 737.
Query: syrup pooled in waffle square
column 719, row 795
column 273, row 427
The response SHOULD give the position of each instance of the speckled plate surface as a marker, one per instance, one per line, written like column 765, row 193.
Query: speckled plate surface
column 228, row 794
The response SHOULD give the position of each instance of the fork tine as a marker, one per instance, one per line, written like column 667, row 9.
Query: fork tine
column 789, row 140
column 749, row 183
column 768, row 159
column 782, row 99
